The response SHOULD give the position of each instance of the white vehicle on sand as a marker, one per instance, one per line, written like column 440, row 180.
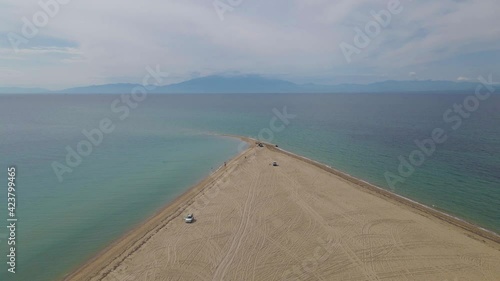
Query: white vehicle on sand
column 189, row 218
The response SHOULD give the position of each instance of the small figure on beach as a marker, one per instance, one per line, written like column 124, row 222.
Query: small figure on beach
column 224, row 164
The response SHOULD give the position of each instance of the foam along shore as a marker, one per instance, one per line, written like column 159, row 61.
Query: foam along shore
column 299, row 220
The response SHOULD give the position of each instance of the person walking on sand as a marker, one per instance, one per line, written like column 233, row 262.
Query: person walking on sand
column 224, row 164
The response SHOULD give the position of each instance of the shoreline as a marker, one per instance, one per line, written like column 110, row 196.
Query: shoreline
column 417, row 206
column 377, row 190
column 133, row 239
column 112, row 256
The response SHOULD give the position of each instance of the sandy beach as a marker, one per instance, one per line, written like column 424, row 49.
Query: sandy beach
column 297, row 221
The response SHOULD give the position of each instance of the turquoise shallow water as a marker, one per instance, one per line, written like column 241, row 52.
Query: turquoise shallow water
column 136, row 170
column 163, row 147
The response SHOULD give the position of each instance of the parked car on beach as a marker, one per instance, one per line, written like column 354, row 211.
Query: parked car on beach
column 189, row 218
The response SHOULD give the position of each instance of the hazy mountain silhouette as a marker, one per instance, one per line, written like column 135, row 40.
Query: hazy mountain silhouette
column 260, row 84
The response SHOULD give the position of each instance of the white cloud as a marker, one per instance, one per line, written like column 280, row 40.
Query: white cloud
column 290, row 39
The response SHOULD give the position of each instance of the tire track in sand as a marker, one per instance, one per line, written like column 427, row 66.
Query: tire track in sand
column 368, row 272
column 222, row 268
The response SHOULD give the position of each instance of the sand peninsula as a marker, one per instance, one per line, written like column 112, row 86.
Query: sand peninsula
column 300, row 220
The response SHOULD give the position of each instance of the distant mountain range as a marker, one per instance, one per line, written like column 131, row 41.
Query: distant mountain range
column 259, row 84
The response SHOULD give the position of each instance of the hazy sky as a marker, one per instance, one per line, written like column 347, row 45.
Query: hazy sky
column 96, row 42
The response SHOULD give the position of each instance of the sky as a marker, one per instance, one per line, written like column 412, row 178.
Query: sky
column 68, row 43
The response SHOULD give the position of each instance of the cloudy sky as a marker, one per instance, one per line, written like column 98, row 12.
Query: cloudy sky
column 86, row 42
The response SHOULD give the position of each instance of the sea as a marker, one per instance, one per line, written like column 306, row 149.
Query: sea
column 88, row 168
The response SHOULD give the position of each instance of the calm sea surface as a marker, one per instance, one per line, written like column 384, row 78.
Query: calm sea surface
column 163, row 146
